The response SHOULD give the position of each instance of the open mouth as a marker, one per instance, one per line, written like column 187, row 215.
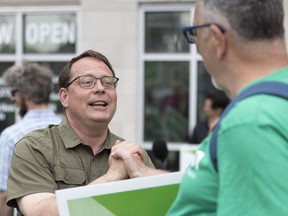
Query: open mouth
column 99, row 103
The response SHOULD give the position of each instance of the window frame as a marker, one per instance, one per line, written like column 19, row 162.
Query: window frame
column 192, row 57
column 19, row 56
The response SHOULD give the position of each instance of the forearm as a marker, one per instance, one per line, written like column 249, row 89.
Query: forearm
column 143, row 170
column 103, row 179
column 44, row 204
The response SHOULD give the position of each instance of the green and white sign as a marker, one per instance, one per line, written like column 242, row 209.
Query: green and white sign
column 142, row 197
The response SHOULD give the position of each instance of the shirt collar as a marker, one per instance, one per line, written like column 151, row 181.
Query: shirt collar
column 71, row 139
column 37, row 112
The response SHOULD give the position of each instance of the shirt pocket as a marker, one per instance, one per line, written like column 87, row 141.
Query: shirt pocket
column 67, row 177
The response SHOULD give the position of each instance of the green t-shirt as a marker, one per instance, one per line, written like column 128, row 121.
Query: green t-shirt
column 252, row 161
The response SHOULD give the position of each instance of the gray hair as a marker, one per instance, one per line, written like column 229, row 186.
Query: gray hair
column 32, row 80
column 249, row 19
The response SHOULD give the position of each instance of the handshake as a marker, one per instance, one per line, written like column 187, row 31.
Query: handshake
column 129, row 160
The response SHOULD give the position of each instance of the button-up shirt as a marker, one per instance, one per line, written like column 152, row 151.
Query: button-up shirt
column 32, row 120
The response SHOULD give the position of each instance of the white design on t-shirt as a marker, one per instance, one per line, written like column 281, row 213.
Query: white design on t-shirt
column 199, row 155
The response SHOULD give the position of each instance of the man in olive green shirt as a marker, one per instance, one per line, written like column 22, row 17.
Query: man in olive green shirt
column 77, row 151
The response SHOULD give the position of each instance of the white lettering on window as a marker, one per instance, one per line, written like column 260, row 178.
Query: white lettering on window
column 69, row 33
column 54, row 33
column 6, row 33
column 44, row 31
column 31, row 33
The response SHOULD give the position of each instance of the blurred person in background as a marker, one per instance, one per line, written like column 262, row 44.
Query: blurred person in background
column 214, row 104
column 30, row 86
column 160, row 154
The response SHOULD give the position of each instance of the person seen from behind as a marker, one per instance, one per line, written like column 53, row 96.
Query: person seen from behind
column 242, row 44
column 31, row 85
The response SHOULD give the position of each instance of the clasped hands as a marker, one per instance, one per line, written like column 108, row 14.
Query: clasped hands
column 126, row 161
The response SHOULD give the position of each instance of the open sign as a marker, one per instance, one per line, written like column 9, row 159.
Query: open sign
column 50, row 33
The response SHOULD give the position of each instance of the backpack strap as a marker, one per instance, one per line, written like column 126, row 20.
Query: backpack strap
column 274, row 88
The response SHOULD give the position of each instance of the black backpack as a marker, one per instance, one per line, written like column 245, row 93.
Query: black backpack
column 274, row 88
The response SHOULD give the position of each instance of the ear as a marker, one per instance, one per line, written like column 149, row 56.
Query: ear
column 220, row 41
column 63, row 96
column 27, row 98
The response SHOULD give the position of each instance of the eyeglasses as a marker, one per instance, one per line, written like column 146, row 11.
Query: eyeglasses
column 190, row 31
column 89, row 81
column 13, row 92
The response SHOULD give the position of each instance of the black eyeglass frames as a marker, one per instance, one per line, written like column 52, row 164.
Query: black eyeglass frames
column 190, row 31
column 89, row 81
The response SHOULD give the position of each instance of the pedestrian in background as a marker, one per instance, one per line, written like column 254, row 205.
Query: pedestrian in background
column 214, row 104
column 31, row 85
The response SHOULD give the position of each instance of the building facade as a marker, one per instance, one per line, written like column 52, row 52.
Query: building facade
column 162, row 78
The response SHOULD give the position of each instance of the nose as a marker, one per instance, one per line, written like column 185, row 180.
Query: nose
column 98, row 85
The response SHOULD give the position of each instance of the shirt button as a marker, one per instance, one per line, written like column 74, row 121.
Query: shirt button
column 66, row 178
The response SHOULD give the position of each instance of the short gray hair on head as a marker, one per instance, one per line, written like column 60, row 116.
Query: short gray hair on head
column 252, row 20
column 32, row 80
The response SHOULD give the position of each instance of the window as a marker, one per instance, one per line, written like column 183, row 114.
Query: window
column 166, row 100
column 172, row 74
column 48, row 36
column 163, row 32
column 49, row 33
